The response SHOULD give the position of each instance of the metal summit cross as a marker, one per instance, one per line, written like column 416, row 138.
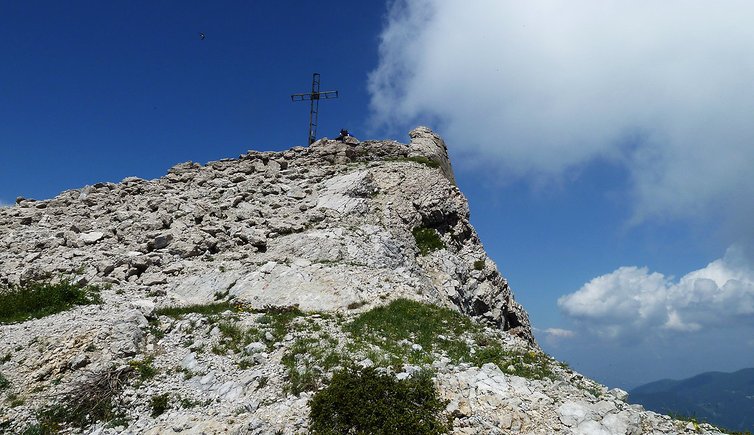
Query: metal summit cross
column 315, row 95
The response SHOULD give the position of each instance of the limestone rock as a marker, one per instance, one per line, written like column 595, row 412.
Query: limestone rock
column 327, row 230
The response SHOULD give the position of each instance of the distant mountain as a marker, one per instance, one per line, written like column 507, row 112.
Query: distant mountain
column 723, row 399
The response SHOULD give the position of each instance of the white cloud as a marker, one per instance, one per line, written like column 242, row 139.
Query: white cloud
column 554, row 336
column 559, row 333
column 631, row 302
column 537, row 88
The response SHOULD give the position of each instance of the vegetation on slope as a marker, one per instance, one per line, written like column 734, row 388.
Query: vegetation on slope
column 365, row 401
column 427, row 240
column 42, row 298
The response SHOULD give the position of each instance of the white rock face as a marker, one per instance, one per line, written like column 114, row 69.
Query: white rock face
column 326, row 228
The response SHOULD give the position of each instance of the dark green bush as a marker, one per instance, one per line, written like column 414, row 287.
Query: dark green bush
column 368, row 402
column 479, row 265
column 159, row 404
column 3, row 382
column 427, row 240
column 39, row 299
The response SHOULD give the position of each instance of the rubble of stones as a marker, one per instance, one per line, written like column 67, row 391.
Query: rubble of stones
column 326, row 229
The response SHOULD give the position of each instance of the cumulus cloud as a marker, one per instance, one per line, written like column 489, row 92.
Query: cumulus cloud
column 554, row 336
column 559, row 333
column 633, row 302
column 538, row 88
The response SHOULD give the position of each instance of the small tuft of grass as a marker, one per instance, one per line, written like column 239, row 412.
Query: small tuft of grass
column 278, row 319
column 144, row 368
column 188, row 403
column 308, row 360
column 14, row 400
column 4, row 383
column 234, row 338
column 159, row 404
column 367, row 401
column 479, row 265
column 427, row 240
column 38, row 299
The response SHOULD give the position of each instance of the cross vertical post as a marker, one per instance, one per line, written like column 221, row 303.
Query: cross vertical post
column 314, row 96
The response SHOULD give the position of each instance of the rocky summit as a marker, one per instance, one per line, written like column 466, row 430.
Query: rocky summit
column 232, row 297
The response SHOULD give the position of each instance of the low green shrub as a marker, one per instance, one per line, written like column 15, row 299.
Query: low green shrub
column 42, row 298
column 144, row 368
column 159, row 404
column 4, row 383
column 369, row 402
column 479, row 265
column 427, row 240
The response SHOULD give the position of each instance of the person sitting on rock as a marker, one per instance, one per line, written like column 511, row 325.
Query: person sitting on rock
column 343, row 135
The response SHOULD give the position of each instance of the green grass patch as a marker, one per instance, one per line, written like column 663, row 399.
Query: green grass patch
column 39, row 299
column 479, row 265
column 532, row 365
column 278, row 319
column 368, row 402
column 434, row 328
column 144, row 368
column 387, row 335
column 159, row 404
column 205, row 309
column 4, row 383
column 308, row 360
column 403, row 332
column 14, row 400
column 427, row 240
column 235, row 338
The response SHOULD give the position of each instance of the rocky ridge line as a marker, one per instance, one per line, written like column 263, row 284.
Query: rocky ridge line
column 326, row 228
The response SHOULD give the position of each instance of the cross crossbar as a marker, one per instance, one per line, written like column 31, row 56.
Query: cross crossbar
column 314, row 96
column 325, row 95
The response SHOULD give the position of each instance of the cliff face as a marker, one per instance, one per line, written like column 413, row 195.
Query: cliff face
column 313, row 236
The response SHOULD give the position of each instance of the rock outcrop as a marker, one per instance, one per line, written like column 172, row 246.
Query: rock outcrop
column 329, row 229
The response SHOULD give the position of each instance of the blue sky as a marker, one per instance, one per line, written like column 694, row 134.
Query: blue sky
column 604, row 148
